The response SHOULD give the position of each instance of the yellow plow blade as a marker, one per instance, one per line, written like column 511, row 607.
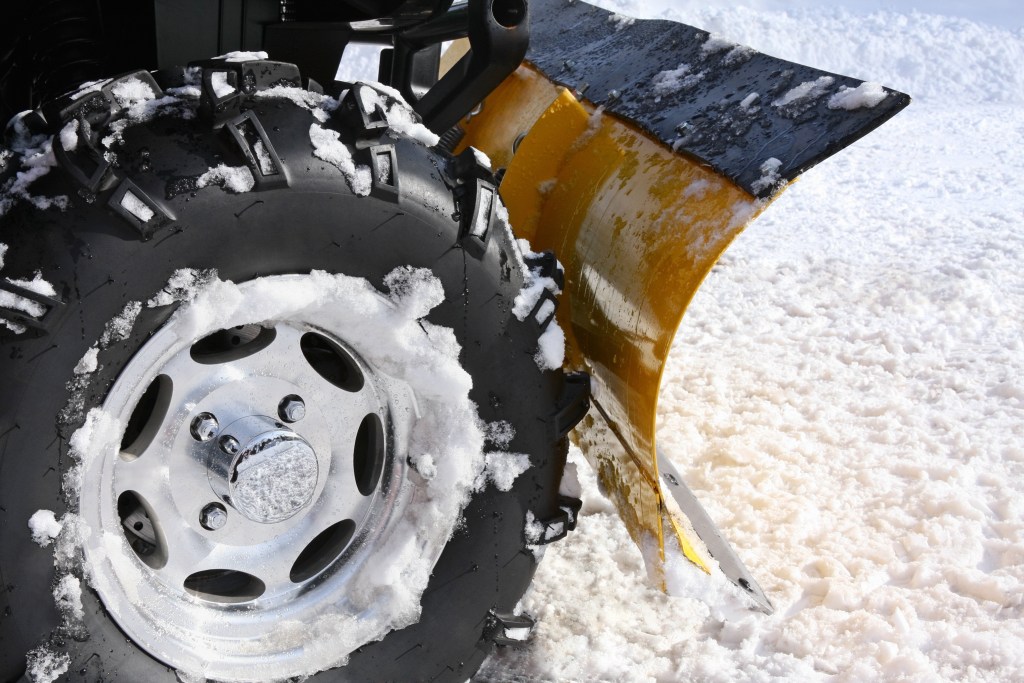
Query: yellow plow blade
column 637, row 228
column 682, row 141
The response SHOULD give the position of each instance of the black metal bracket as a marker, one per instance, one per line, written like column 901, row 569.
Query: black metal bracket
column 499, row 35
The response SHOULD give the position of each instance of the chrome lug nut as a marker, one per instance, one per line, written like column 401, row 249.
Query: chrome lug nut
column 229, row 444
column 291, row 409
column 213, row 516
column 204, row 427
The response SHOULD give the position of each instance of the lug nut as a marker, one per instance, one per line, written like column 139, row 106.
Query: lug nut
column 204, row 427
column 229, row 444
column 291, row 409
column 213, row 516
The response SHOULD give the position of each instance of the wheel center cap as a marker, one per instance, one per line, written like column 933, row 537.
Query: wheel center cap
column 264, row 470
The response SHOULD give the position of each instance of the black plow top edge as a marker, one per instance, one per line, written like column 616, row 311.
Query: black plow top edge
column 756, row 119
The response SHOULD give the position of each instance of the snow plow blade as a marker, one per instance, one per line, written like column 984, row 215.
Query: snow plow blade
column 637, row 151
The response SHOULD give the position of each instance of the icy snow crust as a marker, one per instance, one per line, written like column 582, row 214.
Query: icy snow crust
column 390, row 333
column 845, row 393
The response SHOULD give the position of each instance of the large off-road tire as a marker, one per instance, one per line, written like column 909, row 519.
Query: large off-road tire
column 133, row 162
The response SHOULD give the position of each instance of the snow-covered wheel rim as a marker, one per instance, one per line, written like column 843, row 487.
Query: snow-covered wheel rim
column 247, row 488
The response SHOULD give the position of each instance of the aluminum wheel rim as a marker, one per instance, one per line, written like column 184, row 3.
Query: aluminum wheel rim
column 232, row 597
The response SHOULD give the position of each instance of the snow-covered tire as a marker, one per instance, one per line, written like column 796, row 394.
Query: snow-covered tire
column 230, row 172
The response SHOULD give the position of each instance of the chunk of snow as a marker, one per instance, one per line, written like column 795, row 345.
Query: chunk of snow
column 131, row 203
column 738, row 55
column 183, row 286
column 400, row 116
column 748, row 101
column 806, row 91
column 121, row 325
column 219, row 83
column 866, row 94
column 621, row 21
column 243, row 56
column 235, row 179
column 415, row 290
column 534, row 533
column 769, row 175
column 132, row 91
column 263, row 159
column 16, row 302
column 518, row 633
column 69, row 135
column 675, row 80
column 533, row 288
column 44, row 527
column 320, row 105
column 424, row 464
column 551, row 343
column 502, row 469
column 550, row 348
column 37, row 284
column 544, row 311
column 28, row 306
column 716, row 43
column 328, row 146
column 683, row 579
column 88, row 363
column 570, row 485
column 16, row 328
column 482, row 218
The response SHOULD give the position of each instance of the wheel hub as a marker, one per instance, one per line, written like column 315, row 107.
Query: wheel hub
column 262, row 469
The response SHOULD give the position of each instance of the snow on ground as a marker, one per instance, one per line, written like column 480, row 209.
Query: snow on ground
column 846, row 394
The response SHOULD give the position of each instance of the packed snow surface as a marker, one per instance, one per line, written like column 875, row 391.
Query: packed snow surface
column 845, row 395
